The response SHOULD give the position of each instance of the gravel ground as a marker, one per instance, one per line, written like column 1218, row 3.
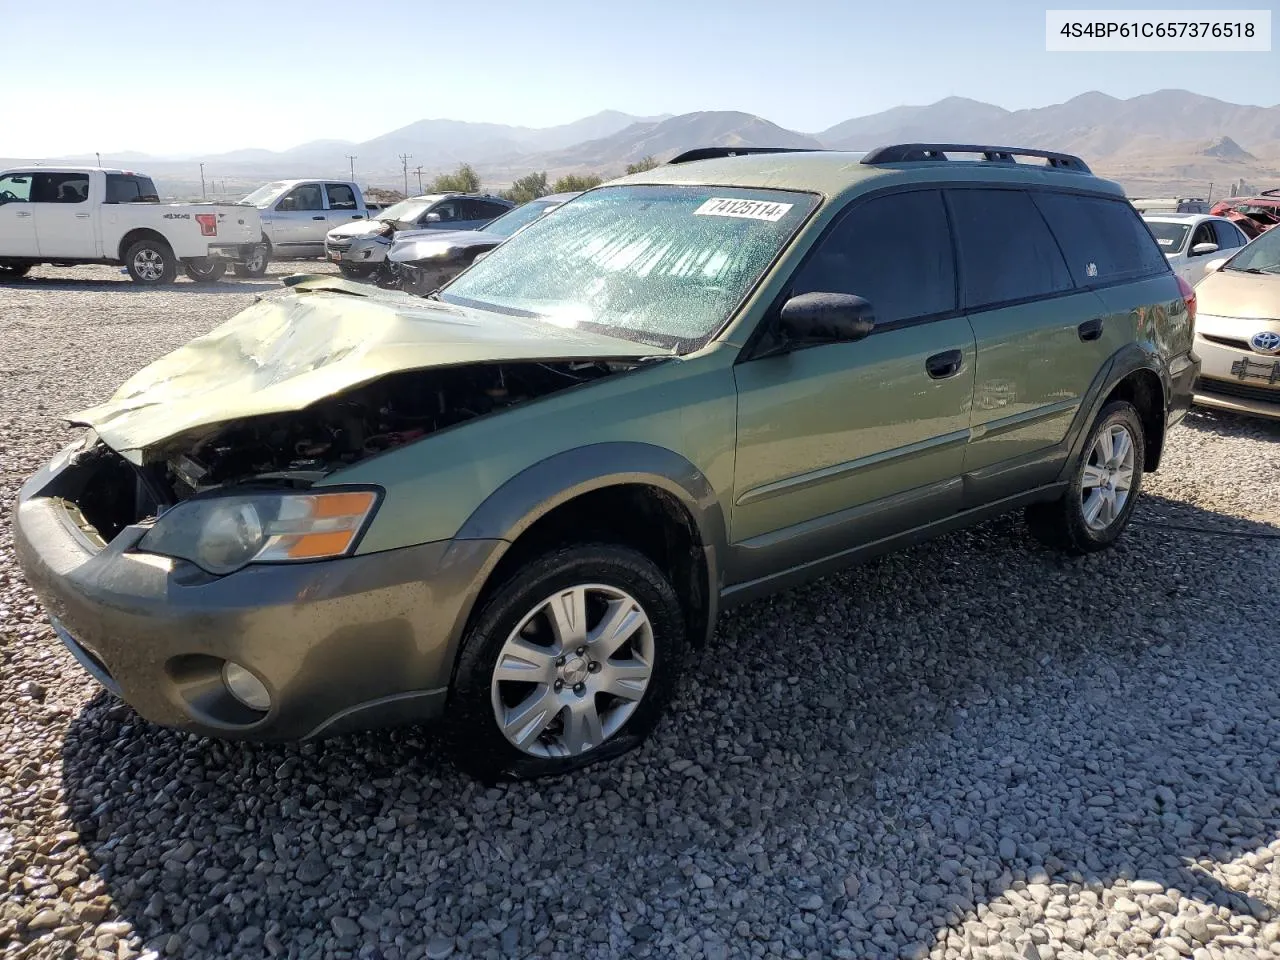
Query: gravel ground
column 972, row 749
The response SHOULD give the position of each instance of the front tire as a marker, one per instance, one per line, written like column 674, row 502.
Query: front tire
column 150, row 263
column 1103, row 489
column 570, row 662
column 204, row 270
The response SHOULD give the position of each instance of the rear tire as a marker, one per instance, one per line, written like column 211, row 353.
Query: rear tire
column 12, row 271
column 204, row 270
column 150, row 263
column 1102, row 490
column 255, row 267
column 548, row 621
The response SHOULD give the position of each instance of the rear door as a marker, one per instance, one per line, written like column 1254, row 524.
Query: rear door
column 1040, row 338
column 63, row 215
column 17, row 224
column 300, row 220
column 848, row 442
column 342, row 205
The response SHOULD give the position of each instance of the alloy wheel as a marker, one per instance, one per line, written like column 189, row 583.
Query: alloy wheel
column 573, row 671
column 1108, row 477
column 148, row 264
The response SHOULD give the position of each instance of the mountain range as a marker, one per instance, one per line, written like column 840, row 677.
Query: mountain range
column 1167, row 141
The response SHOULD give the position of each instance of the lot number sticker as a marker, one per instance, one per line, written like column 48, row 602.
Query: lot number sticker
column 743, row 209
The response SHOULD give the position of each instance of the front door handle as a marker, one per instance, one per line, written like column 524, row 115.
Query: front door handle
column 23, row 214
column 943, row 365
column 82, row 216
column 1090, row 329
column 356, row 216
column 317, row 218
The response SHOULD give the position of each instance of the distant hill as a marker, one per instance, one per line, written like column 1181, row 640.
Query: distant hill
column 663, row 140
column 1170, row 141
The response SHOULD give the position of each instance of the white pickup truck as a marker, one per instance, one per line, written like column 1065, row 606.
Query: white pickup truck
column 77, row 215
column 297, row 214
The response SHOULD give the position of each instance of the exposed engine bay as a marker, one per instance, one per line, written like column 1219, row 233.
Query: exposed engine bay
column 300, row 447
column 105, row 493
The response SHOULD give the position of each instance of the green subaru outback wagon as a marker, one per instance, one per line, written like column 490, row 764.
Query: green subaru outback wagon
column 516, row 504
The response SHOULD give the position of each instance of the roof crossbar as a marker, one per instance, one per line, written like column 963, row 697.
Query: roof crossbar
column 912, row 152
column 712, row 153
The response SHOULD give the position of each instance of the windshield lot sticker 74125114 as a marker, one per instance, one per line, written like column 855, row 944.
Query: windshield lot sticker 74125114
column 743, row 209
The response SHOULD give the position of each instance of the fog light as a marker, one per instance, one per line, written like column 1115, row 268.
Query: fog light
column 245, row 687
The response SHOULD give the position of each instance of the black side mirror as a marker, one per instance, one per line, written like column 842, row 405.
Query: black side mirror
column 826, row 318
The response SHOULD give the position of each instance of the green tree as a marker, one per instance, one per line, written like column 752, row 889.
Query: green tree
column 529, row 187
column 463, row 180
column 641, row 165
column 574, row 182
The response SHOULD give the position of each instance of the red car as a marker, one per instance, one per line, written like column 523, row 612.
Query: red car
column 1253, row 215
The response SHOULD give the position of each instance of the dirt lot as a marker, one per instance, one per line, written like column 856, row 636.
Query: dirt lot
column 975, row 748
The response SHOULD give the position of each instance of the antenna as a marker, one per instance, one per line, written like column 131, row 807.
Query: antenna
column 351, row 158
column 404, row 162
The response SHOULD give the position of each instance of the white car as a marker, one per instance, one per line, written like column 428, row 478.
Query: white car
column 1191, row 240
column 81, row 215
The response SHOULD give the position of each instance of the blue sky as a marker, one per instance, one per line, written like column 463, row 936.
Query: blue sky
column 206, row 77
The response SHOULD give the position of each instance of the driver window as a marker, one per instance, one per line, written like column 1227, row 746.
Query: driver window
column 306, row 196
column 15, row 188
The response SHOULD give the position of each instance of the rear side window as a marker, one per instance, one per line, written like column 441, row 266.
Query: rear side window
column 1105, row 240
column 125, row 188
column 894, row 251
column 1228, row 236
column 1006, row 251
column 341, row 196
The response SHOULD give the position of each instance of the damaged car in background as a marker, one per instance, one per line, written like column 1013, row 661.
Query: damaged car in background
column 360, row 248
column 426, row 260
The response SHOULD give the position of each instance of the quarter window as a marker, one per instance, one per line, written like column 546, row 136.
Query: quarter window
column 1104, row 240
column 894, row 251
column 1006, row 251
column 122, row 188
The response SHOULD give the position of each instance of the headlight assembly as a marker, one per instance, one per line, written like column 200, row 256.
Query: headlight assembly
column 223, row 534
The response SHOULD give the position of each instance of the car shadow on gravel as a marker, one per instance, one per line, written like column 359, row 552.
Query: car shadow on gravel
column 859, row 767
column 182, row 285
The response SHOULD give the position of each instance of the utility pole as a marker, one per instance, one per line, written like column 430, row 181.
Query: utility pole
column 419, row 173
column 203, row 194
column 404, row 162
column 351, row 158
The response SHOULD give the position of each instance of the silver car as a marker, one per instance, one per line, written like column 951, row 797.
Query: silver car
column 359, row 249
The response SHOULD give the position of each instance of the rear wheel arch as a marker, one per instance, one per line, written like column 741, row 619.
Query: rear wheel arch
column 140, row 233
column 1146, row 390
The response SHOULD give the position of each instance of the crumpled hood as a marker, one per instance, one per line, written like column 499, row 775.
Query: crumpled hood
column 412, row 245
column 359, row 228
column 325, row 337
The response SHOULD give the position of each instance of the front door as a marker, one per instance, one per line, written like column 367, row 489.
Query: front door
column 63, row 215
column 17, row 225
column 847, row 443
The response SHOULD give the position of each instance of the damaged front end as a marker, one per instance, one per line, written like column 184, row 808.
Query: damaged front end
column 294, row 450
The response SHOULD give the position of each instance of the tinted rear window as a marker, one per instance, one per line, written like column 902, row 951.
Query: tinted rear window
column 1006, row 251
column 125, row 188
column 1104, row 240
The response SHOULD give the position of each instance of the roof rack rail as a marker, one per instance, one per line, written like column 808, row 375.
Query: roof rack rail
column 910, row 152
column 712, row 153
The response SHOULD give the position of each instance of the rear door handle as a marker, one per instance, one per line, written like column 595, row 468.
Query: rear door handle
column 23, row 214
column 943, row 365
column 82, row 216
column 1090, row 329
column 317, row 218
